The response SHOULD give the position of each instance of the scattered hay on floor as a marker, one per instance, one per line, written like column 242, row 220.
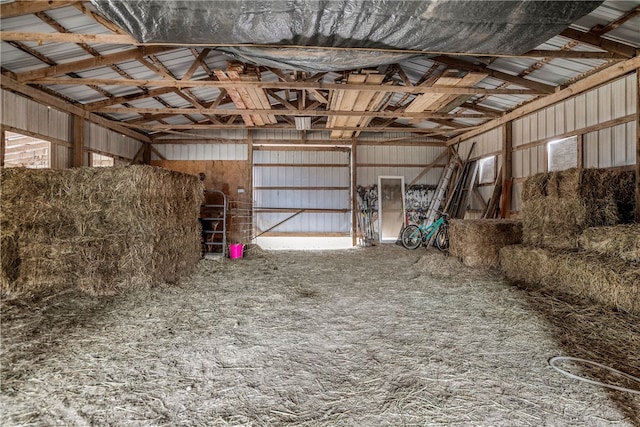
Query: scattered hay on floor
column 101, row 229
column 613, row 282
column 622, row 241
column 477, row 242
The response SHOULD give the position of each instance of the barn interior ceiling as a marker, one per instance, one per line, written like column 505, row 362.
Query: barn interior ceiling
column 423, row 71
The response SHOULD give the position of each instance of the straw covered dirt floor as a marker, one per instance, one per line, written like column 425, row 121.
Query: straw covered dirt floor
column 377, row 336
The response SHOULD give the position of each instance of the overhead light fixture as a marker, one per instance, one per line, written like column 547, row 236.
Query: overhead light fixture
column 303, row 123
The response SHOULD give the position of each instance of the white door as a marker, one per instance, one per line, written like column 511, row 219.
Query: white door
column 391, row 207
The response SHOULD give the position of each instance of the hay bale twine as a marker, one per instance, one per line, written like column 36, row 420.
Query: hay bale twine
column 610, row 281
column 619, row 241
column 477, row 242
column 101, row 229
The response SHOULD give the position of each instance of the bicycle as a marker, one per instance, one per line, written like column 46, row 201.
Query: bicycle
column 415, row 235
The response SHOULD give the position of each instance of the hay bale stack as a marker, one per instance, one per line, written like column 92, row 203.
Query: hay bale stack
column 478, row 242
column 620, row 241
column 610, row 281
column 558, row 206
column 101, row 229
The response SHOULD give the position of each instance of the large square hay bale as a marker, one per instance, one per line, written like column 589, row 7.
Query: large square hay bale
column 557, row 222
column 477, row 242
column 620, row 241
column 101, row 229
column 558, row 206
column 610, row 281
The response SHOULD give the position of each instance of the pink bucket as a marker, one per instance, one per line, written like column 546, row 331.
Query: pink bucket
column 235, row 250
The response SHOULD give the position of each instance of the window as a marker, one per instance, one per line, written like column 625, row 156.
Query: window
column 98, row 160
column 487, row 170
column 563, row 154
column 25, row 151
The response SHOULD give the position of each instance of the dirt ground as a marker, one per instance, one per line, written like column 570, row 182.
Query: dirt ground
column 377, row 336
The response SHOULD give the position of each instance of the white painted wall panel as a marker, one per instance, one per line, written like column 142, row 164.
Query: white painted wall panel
column 590, row 150
column 631, row 94
column 397, row 155
column 630, row 138
column 203, row 151
column 516, row 199
column 516, row 164
column 61, row 157
column 288, row 171
column 580, row 111
column 570, row 114
column 604, row 104
column 591, row 100
column 22, row 113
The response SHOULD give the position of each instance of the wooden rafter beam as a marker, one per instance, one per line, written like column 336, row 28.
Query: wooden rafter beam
column 610, row 73
column 127, row 98
column 603, row 29
column 592, row 39
column 288, row 125
column 26, row 7
column 283, row 85
column 121, row 39
column 572, row 54
column 457, row 63
column 54, row 102
column 85, row 64
column 297, row 112
column 623, row 50
column 196, row 63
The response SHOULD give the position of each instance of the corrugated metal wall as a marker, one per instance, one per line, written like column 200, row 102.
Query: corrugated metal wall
column 22, row 113
column 487, row 143
column 108, row 142
column 288, row 181
column 611, row 146
column 372, row 161
column 60, row 157
column 203, row 151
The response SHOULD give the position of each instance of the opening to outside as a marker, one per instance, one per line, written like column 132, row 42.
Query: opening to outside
column 487, row 171
column 563, row 154
column 98, row 160
column 26, row 151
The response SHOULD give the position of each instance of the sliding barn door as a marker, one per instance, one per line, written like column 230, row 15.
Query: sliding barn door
column 302, row 192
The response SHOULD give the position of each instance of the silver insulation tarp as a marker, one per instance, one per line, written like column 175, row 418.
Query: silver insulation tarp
column 325, row 35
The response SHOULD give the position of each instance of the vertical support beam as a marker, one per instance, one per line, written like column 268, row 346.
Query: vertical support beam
column 77, row 140
column 354, row 192
column 250, row 189
column 638, row 145
column 580, row 142
column 507, row 169
column 146, row 154
column 2, row 147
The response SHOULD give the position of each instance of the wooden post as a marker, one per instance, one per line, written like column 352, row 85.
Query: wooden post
column 580, row 142
column 249, row 191
column 507, row 174
column 638, row 145
column 77, row 140
column 3, row 143
column 146, row 154
column 354, row 192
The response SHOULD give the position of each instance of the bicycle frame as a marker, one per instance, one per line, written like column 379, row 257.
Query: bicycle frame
column 429, row 231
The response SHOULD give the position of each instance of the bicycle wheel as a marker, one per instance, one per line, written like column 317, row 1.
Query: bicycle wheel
column 411, row 237
column 442, row 239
